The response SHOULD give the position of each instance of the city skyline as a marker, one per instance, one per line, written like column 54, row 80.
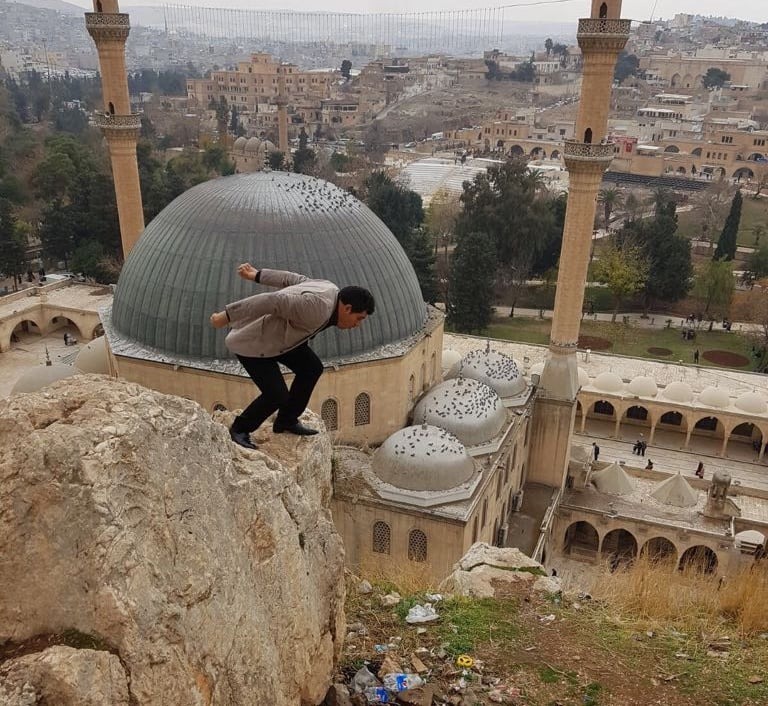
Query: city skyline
column 529, row 11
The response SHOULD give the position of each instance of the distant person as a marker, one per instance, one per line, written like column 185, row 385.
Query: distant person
column 700, row 470
column 595, row 450
column 649, row 465
column 276, row 327
column 696, row 356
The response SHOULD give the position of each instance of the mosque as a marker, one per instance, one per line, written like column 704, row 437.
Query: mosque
column 435, row 449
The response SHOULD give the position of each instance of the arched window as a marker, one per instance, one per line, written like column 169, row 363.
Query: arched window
column 474, row 530
column 417, row 545
column 603, row 11
column 219, row 407
column 422, row 377
column 498, row 484
column 98, row 6
column 433, row 368
column 362, row 410
column 329, row 411
column 485, row 512
column 111, row 108
column 381, row 537
column 588, row 136
column 411, row 387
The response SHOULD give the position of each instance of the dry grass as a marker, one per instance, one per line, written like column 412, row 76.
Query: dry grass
column 656, row 592
column 407, row 579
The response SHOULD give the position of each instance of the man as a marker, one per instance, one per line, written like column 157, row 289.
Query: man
column 595, row 450
column 276, row 327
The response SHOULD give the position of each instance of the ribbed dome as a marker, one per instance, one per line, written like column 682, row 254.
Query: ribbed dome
column 678, row 392
column 469, row 409
column 253, row 144
column 751, row 402
column 495, row 369
column 423, row 458
column 714, row 397
column 268, row 146
column 240, row 144
column 643, row 386
column 183, row 267
column 608, row 382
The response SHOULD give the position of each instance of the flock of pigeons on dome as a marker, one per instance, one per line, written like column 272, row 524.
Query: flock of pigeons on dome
column 316, row 195
column 424, row 438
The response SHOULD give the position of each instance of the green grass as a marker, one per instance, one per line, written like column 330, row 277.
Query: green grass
column 629, row 340
column 466, row 623
column 753, row 212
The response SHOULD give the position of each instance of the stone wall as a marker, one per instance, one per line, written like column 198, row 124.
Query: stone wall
column 131, row 525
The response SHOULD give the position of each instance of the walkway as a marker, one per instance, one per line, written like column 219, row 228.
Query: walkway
column 665, row 460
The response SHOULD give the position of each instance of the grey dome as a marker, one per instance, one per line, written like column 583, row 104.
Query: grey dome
column 423, row 458
column 495, row 369
column 469, row 409
column 183, row 267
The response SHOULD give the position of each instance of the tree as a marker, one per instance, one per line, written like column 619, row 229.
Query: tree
column 753, row 308
column 726, row 245
column 12, row 244
column 626, row 66
column 715, row 78
column 303, row 158
column 712, row 206
column 423, row 260
column 400, row 208
column 623, row 270
column 548, row 44
column 713, row 287
column 276, row 160
column 470, row 291
column 632, row 206
column 610, row 199
column 757, row 263
column 234, row 121
column 525, row 72
column 346, row 67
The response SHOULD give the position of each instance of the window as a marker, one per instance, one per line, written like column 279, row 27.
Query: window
column 672, row 418
column 422, row 378
column 417, row 545
column 637, row 413
column 411, row 387
column 381, row 538
column 329, row 411
column 485, row 513
column 474, row 530
column 498, row 484
column 362, row 410
column 433, row 366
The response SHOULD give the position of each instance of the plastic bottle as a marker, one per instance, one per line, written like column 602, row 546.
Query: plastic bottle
column 400, row 681
column 376, row 695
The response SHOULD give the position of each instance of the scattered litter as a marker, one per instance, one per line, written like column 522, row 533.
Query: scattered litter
column 421, row 614
column 401, row 681
column 465, row 662
column 418, row 665
column 377, row 695
column 363, row 679
column 682, row 655
column 391, row 599
column 433, row 597
column 546, row 619
column 420, row 631
column 381, row 649
column 649, row 633
column 389, row 666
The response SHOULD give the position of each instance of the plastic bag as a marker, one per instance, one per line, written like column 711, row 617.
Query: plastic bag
column 421, row 614
column 364, row 679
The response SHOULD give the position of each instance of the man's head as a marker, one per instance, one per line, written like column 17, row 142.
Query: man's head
column 355, row 304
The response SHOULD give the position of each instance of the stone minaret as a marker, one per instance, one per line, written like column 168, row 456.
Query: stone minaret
column 601, row 37
column 109, row 29
column 282, row 114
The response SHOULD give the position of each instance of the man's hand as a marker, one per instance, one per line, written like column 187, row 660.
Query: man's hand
column 247, row 271
column 219, row 319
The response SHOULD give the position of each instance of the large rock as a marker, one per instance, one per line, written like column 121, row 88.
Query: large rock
column 214, row 573
column 484, row 567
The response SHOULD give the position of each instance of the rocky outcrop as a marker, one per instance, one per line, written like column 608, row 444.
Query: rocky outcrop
column 483, row 568
column 212, row 574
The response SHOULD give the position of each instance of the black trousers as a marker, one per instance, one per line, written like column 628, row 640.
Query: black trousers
column 275, row 395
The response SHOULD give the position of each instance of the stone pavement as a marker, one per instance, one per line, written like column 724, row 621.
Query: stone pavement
column 749, row 475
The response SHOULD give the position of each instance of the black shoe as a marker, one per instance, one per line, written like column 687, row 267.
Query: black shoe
column 242, row 438
column 296, row 428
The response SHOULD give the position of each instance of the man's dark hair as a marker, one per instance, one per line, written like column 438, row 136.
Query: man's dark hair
column 360, row 299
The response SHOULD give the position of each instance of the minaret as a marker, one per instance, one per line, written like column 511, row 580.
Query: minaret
column 282, row 114
column 601, row 37
column 109, row 29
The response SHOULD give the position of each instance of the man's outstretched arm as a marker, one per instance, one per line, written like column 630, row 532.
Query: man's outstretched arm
column 270, row 278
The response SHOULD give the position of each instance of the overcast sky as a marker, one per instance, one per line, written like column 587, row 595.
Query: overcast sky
column 756, row 10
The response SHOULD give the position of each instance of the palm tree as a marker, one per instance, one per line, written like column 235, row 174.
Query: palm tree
column 632, row 206
column 611, row 199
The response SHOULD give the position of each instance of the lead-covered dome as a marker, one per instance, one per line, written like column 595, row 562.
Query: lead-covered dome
column 468, row 409
column 422, row 458
column 751, row 402
column 678, row 391
column 608, row 381
column 643, row 386
column 184, row 265
column 495, row 369
column 714, row 397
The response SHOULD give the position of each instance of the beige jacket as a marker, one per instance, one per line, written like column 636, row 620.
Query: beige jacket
column 270, row 324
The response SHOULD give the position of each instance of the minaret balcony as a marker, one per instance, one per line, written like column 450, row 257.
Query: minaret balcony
column 107, row 25
column 119, row 126
column 582, row 153
column 595, row 33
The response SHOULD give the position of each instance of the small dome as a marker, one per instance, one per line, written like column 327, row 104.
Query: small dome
column 41, row 376
column 583, row 377
column 751, row 402
column 93, row 357
column 714, row 397
column 468, row 409
column 423, row 458
column 240, row 144
column 252, row 145
column 678, row 392
column 608, row 382
column 268, row 146
column 495, row 369
column 643, row 386
column 450, row 358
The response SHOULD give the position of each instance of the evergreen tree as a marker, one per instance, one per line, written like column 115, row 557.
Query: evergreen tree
column 400, row 208
column 422, row 258
column 276, row 160
column 12, row 250
column 726, row 245
column 303, row 158
column 470, row 288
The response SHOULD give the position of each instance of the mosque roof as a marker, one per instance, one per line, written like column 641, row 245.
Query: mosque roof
column 468, row 409
column 495, row 369
column 423, row 457
column 613, row 479
column 183, row 267
column 675, row 490
column 41, row 376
